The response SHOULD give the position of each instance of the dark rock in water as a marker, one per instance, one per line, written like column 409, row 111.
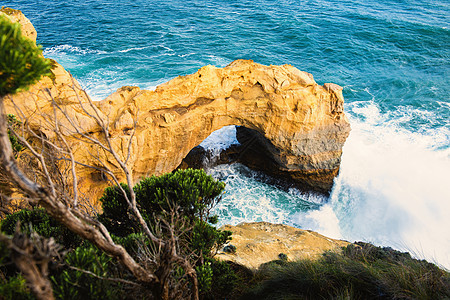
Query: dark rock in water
column 258, row 153
column 194, row 159
column 200, row 158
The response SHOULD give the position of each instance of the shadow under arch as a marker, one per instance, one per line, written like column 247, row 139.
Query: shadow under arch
column 250, row 148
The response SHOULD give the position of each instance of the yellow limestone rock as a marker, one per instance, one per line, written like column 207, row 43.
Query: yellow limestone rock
column 302, row 122
column 59, row 86
column 261, row 242
column 17, row 16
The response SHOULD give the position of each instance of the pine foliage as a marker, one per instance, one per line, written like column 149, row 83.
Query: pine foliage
column 21, row 61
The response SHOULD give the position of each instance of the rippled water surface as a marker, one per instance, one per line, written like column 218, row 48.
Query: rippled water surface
column 391, row 57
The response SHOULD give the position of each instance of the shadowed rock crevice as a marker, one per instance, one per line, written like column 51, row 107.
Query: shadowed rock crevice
column 258, row 153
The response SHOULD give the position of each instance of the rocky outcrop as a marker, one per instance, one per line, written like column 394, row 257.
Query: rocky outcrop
column 301, row 125
column 17, row 16
column 261, row 242
column 301, row 122
column 60, row 85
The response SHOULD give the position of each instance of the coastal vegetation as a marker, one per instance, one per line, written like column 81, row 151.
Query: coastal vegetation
column 360, row 271
column 80, row 270
column 21, row 62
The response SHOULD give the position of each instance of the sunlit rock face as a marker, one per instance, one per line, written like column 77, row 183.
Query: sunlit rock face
column 300, row 124
column 297, row 126
column 291, row 126
column 261, row 242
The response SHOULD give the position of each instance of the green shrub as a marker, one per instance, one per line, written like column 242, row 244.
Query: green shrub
column 42, row 224
column 22, row 63
column 191, row 193
column 361, row 272
column 156, row 196
column 206, row 238
column 15, row 143
column 204, row 277
column 12, row 284
column 15, row 287
column 224, row 281
column 73, row 284
column 116, row 215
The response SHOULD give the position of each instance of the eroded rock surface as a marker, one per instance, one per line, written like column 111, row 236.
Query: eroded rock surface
column 17, row 16
column 301, row 124
column 261, row 242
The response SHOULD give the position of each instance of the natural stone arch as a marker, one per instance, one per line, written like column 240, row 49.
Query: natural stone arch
column 303, row 121
column 301, row 124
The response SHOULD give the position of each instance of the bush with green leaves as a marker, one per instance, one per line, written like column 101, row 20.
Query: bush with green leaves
column 44, row 225
column 69, row 277
column 14, row 287
column 189, row 193
column 21, row 63
column 73, row 282
column 12, row 284
column 15, row 143
column 228, row 279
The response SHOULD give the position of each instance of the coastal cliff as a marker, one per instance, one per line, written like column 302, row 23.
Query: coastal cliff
column 300, row 125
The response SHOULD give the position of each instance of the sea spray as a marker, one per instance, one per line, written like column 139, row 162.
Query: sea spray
column 217, row 142
column 393, row 189
column 249, row 197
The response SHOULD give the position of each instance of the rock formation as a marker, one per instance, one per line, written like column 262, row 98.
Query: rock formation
column 17, row 16
column 261, row 242
column 301, row 125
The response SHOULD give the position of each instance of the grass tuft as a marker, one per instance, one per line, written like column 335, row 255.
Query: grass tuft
column 362, row 271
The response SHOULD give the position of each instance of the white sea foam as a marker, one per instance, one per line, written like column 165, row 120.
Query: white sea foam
column 132, row 49
column 219, row 61
column 218, row 141
column 99, row 84
column 221, row 139
column 64, row 49
column 393, row 187
column 247, row 199
column 186, row 54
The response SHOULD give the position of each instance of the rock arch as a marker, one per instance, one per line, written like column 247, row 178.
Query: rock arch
column 301, row 124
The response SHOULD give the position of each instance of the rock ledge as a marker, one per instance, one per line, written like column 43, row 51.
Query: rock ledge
column 261, row 242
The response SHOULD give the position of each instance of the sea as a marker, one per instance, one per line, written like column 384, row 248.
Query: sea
column 391, row 58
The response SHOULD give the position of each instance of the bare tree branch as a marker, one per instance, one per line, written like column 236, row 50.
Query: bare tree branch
column 31, row 256
column 55, row 187
column 58, row 210
column 120, row 280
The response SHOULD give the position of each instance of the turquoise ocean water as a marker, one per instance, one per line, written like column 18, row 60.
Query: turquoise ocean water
column 391, row 57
